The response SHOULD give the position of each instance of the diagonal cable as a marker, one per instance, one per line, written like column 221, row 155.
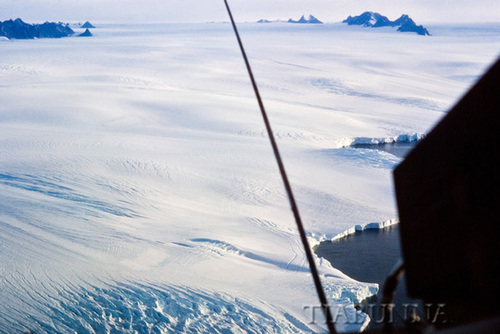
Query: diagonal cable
column 288, row 188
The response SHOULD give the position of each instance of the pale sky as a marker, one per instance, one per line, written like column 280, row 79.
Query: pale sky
column 422, row 11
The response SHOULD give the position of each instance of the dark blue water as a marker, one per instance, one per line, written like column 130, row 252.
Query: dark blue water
column 370, row 256
column 366, row 256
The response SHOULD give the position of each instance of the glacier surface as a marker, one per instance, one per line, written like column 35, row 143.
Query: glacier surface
column 138, row 191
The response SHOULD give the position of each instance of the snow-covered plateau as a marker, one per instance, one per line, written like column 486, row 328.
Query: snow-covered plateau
column 138, row 190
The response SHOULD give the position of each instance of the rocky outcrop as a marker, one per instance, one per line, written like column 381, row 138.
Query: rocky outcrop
column 87, row 25
column 303, row 19
column 17, row 29
column 86, row 33
column 375, row 20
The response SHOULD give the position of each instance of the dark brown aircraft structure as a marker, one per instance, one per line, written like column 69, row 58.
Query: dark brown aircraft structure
column 448, row 196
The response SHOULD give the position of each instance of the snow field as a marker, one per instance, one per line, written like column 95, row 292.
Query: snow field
column 138, row 189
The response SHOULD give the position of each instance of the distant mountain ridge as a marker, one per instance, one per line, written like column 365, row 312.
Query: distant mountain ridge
column 375, row 20
column 18, row 29
column 303, row 19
